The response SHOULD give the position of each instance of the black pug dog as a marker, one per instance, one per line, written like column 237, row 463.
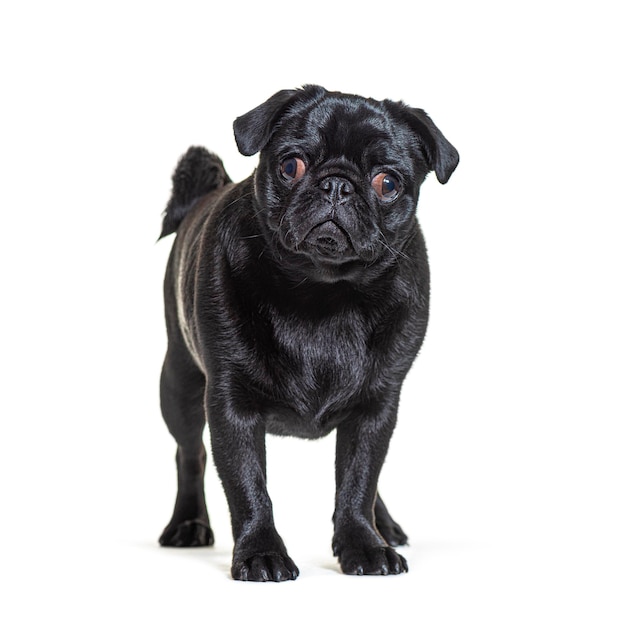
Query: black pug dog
column 295, row 303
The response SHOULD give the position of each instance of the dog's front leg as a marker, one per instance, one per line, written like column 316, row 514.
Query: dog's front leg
column 238, row 443
column 362, row 443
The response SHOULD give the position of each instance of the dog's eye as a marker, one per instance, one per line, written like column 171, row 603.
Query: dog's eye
column 292, row 169
column 386, row 186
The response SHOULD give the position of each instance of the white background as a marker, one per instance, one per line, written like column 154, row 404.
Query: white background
column 507, row 466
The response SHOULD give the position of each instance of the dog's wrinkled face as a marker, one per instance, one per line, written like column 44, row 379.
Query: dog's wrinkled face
column 339, row 175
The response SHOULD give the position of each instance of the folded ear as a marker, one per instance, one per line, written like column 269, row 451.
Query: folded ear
column 254, row 129
column 440, row 154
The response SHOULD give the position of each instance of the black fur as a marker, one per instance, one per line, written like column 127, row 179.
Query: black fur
column 296, row 306
column 198, row 173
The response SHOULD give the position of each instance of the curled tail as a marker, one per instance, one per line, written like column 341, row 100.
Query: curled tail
column 198, row 172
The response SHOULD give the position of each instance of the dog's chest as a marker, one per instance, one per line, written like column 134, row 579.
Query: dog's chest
column 315, row 370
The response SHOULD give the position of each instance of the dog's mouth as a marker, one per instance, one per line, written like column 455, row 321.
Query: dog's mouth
column 330, row 242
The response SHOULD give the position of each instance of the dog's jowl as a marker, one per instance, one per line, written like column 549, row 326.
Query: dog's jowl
column 295, row 303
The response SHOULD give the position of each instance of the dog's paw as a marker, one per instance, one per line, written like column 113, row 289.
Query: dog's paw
column 381, row 560
column 268, row 567
column 392, row 533
column 190, row 533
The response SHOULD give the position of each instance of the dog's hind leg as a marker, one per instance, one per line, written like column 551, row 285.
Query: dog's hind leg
column 387, row 526
column 182, row 395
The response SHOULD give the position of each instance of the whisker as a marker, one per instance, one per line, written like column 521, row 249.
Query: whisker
column 395, row 252
column 300, row 283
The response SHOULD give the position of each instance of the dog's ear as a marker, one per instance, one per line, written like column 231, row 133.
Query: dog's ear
column 254, row 129
column 440, row 154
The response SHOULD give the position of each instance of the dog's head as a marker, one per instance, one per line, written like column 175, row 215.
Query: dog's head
column 339, row 176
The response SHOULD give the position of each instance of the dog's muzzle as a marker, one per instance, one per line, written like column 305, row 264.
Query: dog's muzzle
column 329, row 240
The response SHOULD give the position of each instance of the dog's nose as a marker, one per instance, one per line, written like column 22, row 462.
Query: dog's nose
column 336, row 187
